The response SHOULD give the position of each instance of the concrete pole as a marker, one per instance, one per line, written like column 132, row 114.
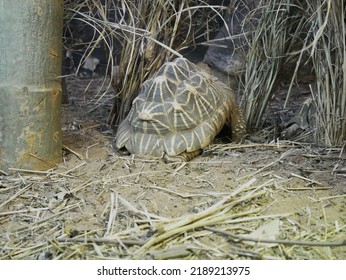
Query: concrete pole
column 30, row 90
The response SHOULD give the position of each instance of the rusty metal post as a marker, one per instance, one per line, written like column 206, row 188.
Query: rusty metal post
column 30, row 87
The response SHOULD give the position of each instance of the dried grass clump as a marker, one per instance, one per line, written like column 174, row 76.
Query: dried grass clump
column 152, row 33
column 86, row 32
column 140, row 37
column 328, row 52
column 270, row 44
column 83, row 31
column 299, row 31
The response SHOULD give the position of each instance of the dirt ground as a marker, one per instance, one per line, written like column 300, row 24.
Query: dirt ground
column 255, row 200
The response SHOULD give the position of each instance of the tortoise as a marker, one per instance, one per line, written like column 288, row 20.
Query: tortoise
column 178, row 112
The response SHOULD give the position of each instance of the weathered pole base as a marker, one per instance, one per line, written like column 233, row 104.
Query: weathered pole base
column 31, row 134
column 30, row 87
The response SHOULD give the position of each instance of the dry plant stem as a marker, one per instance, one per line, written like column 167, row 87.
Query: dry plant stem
column 83, row 186
column 237, row 238
column 48, row 173
column 175, row 193
column 112, row 212
column 99, row 240
column 30, row 171
column 23, row 190
column 170, row 253
column 156, row 239
column 135, row 210
column 306, row 179
column 213, row 209
column 40, row 222
column 73, row 152
column 23, row 211
column 331, row 197
column 196, row 221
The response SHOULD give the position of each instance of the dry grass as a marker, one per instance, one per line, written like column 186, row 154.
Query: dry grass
column 291, row 30
column 154, row 34
column 329, row 57
column 140, row 37
column 267, row 49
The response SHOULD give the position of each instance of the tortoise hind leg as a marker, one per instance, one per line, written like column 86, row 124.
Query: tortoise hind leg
column 237, row 124
column 183, row 157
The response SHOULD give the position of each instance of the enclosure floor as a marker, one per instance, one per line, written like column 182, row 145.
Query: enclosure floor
column 99, row 204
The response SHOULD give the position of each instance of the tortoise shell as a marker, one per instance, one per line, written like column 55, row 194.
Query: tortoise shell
column 178, row 110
